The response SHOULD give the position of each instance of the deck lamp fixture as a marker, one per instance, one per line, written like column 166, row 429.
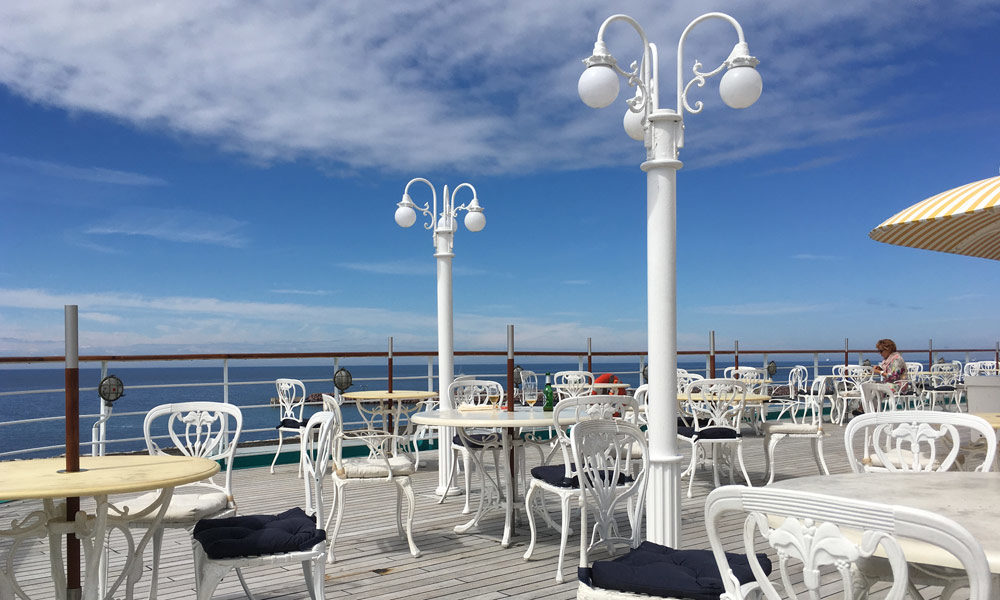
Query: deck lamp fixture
column 662, row 132
column 443, row 225
column 342, row 379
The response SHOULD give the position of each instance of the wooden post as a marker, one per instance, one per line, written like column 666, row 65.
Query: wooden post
column 73, row 589
column 510, row 371
column 590, row 356
column 390, row 363
column 711, row 354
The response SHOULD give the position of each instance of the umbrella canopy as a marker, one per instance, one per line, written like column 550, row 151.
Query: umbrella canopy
column 965, row 220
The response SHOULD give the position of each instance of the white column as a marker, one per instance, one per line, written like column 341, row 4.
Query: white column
column 446, row 364
column 663, row 495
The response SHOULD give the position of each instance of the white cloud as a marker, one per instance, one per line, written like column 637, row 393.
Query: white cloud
column 488, row 87
column 174, row 225
column 764, row 309
column 92, row 174
column 100, row 317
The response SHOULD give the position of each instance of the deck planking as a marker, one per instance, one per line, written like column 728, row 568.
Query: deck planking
column 374, row 563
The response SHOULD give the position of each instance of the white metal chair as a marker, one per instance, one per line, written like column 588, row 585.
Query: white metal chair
column 612, row 478
column 215, row 557
column 417, row 433
column 562, row 480
column 814, row 533
column 913, row 367
column 470, row 445
column 980, row 367
column 806, row 422
column 291, row 404
column 570, row 384
column 941, row 383
column 382, row 466
column 916, row 440
column 713, row 411
column 198, row 429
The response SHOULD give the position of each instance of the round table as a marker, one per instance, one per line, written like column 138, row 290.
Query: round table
column 968, row 498
column 98, row 477
column 508, row 422
column 372, row 405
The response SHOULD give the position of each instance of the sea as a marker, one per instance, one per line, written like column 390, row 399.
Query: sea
column 38, row 393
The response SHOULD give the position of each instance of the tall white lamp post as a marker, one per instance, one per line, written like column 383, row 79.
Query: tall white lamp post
column 443, row 225
column 662, row 131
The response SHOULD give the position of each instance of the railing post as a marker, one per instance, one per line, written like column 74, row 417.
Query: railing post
column 930, row 353
column 390, row 363
column 510, row 373
column 845, row 352
column 590, row 356
column 642, row 362
column 430, row 373
column 97, row 446
column 711, row 354
column 736, row 354
column 815, row 365
column 225, row 380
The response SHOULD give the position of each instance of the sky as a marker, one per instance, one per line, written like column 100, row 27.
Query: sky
column 222, row 177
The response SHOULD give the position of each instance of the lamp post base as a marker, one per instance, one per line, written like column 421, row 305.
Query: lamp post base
column 663, row 522
column 449, row 491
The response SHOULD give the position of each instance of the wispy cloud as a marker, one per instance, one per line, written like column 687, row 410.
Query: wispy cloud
column 816, row 257
column 422, row 268
column 281, row 97
column 576, row 282
column 100, row 317
column 303, row 292
column 91, row 174
column 761, row 309
column 809, row 165
column 174, row 225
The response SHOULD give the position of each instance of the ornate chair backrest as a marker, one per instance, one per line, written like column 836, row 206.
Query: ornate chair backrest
column 607, row 407
column 611, row 477
column 715, row 403
column 809, row 409
column 981, row 367
column 201, row 429
column 798, row 378
column 859, row 374
column 819, row 532
column 641, row 401
column 946, row 373
column 573, row 383
column 838, row 370
column 474, row 392
column 291, row 398
column 317, row 454
column 685, row 379
column 382, row 445
column 916, row 440
column 913, row 367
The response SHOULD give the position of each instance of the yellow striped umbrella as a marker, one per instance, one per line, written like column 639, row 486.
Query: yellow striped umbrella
column 965, row 220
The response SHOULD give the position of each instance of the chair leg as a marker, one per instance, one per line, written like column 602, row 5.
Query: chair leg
column 743, row 467
column 451, row 477
column 314, row 571
column 528, row 497
column 770, row 443
column 278, row 453
column 207, row 574
column 692, row 469
column 331, row 538
column 157, row 547
column 467, row 465
column 403, row 484
column 818, row 451
column 564, row 535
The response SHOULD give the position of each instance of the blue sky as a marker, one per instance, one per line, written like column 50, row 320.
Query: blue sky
column 204, row 177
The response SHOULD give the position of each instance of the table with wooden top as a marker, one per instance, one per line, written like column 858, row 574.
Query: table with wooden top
column 98, row 477
column 387, row 406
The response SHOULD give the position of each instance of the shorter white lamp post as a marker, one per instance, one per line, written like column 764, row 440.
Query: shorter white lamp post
column 662, row 131
column 443, row 225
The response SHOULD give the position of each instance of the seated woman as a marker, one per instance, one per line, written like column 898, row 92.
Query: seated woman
column 893, row 367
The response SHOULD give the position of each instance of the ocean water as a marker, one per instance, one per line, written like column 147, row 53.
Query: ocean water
column 249, row 386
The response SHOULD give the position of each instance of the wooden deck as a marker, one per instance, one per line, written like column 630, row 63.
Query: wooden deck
column 374, row 563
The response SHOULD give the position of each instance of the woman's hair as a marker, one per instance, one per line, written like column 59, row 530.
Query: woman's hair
column 885, row 344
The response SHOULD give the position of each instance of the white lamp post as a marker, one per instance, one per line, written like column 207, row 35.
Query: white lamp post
column 443, row 225
column 662, row 131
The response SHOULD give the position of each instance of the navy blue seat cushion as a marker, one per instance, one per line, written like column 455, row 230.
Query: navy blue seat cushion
column 476, row 440
column 663, row 571
column 685, row 431
column 717, row 433
column 293, row 423
column 940, row 388
column 257, row 535
column 555, row 475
